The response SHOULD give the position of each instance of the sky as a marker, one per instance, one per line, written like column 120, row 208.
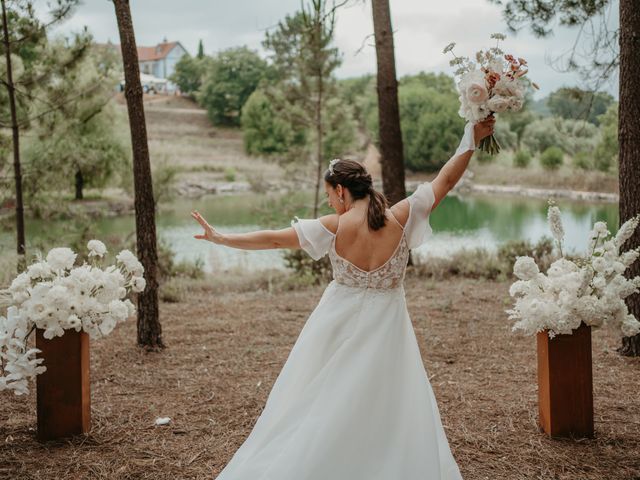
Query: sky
column 422, row 28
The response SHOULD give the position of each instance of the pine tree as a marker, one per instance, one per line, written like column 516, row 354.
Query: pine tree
column 149, row 328
column 393, row 180
column 23, row 36
column 621, row 49
column 304, row 62
column 200, row 50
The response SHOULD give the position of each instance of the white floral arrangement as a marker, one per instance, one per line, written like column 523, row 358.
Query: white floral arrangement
column 494, row 83
column 55, row 296
column 591, row 290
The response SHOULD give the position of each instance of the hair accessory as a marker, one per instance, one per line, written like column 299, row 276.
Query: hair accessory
column 332, row 163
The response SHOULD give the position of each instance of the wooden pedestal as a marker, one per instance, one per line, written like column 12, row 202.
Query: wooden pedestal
column 63, row 391
column 565, row 384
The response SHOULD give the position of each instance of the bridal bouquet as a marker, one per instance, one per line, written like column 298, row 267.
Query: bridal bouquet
column 494, row 83
column 591, row 290
column 55, row 296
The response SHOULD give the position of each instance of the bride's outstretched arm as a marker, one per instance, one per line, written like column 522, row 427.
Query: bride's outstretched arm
column 452, row 171
column 258, row 240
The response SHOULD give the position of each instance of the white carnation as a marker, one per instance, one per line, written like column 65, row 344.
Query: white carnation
column 96, row 248
column 130, row 262
column 138, row 284
column 61, row 258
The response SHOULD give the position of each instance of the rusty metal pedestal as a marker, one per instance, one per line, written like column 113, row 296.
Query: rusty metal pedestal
column 565, row 384
column 63, row 391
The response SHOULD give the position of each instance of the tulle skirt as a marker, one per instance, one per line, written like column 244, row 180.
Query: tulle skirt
column 352, row 401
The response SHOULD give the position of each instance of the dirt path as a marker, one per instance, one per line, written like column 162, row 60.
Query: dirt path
column 226, row 350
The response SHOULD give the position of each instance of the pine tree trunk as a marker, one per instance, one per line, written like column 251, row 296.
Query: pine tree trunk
column 149, row 329
column 20, row 234
column 629, row 139
column 79, row 185
column 392, row 161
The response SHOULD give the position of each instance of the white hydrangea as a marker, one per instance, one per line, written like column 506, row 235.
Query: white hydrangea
column 591, row 291
column 525, row 268
column 54, row 296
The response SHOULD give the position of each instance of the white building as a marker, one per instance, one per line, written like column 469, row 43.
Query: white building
column 160, row 61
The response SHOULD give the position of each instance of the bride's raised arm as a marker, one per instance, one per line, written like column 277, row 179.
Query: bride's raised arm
column 452, row 171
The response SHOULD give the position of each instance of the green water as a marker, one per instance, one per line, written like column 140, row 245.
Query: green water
column 458, row 222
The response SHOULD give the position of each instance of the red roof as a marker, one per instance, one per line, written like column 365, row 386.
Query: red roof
column 160, row 51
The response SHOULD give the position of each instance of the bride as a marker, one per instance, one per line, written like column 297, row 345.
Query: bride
column 353, row 400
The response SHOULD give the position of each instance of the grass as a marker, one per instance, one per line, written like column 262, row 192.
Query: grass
column 502, row 172
column 181, row 133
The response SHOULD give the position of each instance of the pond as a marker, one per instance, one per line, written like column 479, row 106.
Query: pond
column 459, row 221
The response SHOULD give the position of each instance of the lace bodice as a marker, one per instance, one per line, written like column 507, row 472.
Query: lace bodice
column 387, row 276
column 317, row 241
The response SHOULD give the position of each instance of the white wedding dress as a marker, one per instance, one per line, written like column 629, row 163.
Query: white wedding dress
column 353, row 400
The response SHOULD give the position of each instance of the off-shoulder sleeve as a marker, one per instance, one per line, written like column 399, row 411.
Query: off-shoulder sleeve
column 314, row 237
column 417, row 228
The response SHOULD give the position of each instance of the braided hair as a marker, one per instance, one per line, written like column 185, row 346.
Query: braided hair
column 354, row 177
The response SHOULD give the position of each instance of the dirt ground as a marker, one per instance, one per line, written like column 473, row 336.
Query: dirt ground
column 226, row 349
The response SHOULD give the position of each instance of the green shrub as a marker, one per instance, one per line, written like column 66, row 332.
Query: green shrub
column 481, row 263
column 230, row 78
column 265, row 130
column 552, row 158
column 583, row 160
column 541, row 252
column 522, row 159
column 307, row 270
column 168, row 267
column 484, row 157
column 230, row 174
column 507, row 138
column 606, row 152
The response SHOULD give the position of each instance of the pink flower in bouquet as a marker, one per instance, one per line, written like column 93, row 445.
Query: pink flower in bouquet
column 498, row 104
column 477, row 93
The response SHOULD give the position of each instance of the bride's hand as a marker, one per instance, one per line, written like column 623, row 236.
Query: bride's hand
column 483, row 129
column 210, row 233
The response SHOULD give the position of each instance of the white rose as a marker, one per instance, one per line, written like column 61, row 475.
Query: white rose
column 498, row 104
column 516, row 104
